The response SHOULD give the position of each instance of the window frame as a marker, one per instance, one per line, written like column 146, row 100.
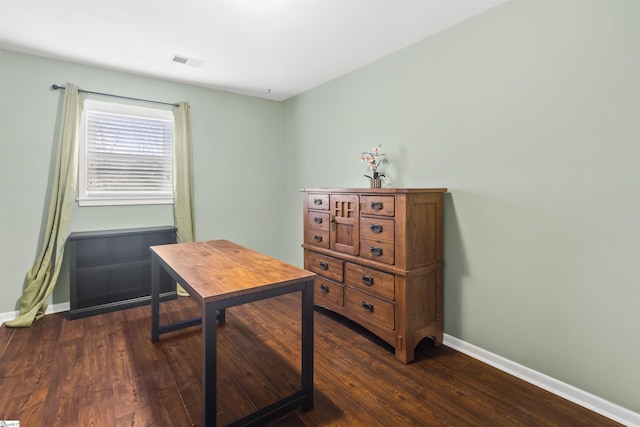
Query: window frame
column 104, row 198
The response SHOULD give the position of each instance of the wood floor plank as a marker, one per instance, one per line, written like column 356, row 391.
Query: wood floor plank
column 157, row 381
column 261, row 375
column 6, row 334
column 141, row 417
column 105, row 371
column 64, row 391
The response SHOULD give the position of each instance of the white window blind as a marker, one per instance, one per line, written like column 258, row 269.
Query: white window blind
column 127, row 155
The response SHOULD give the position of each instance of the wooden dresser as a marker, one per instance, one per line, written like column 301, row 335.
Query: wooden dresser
column 379, row 255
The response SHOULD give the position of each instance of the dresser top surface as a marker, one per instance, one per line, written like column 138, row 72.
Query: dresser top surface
column 374, row 190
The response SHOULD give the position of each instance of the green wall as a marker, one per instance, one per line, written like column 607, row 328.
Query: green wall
column 236, row 147
column 530, row 115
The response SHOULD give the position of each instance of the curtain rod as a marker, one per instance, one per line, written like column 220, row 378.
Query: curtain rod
column 56, row 87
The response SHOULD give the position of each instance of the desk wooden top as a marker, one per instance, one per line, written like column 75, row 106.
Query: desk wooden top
column 220, row 269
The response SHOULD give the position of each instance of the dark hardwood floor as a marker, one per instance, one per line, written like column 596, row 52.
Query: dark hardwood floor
column 105, row 371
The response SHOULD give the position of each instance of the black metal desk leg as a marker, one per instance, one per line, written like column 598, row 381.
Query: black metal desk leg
column 307, row 345
column 155, row 298
column 209, row 374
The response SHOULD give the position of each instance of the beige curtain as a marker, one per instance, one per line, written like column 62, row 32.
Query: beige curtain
column 42, row 277
column 183, row 210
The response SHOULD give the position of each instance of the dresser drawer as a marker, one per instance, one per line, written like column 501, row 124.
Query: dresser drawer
column 328, row 291
column 318, row 201
column 369, row 308
column 377, row 205
column 377, row 251
column 378, row 229
column 319, row 238
column 318, row 220
column 328, row 267
column 371, row 281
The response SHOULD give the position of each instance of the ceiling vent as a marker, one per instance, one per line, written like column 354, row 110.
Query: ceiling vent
column 181, row 59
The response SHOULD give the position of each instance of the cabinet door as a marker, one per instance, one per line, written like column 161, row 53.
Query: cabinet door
column 345, row 223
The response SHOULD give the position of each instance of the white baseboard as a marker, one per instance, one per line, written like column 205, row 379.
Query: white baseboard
column 575, row 395
column 9, row 315
column 51, row 308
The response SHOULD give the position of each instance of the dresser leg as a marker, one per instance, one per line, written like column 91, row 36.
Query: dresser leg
column 437, row 340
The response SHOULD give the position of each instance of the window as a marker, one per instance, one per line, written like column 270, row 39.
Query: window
column 126, row 155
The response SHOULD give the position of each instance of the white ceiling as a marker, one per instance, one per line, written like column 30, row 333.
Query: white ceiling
column 271, row 49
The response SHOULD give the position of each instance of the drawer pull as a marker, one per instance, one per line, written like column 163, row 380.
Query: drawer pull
column 324, row 288
column 317, row 201
column 317, row 238
column 368, row 307
column 324, row 265
column 375, row 251
column 368, row 280
column 317, row 220
column 376, row 228
column 376, row 206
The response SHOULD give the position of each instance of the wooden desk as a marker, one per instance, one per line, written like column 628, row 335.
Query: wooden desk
column 221, row 274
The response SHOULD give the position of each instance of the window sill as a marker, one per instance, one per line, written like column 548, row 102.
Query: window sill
column 124, row 202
